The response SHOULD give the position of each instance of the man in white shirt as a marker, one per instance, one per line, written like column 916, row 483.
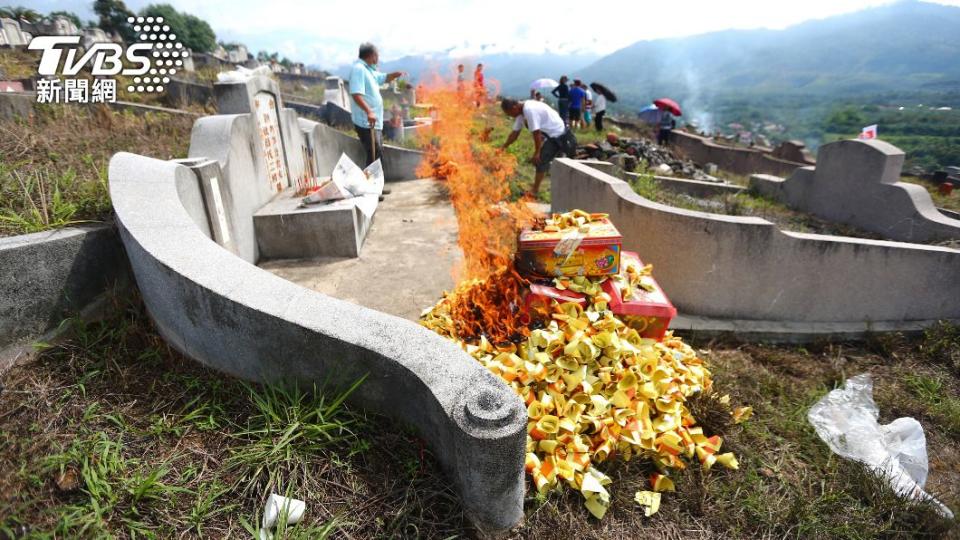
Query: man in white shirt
column 550, row 135
column 599, row 110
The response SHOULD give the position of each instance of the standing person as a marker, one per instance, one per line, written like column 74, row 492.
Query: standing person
column 460, row 79
column 479, row 90
column 367, row 105
column 599, row 110
column 667, row 123
column 562, row 93
column 587, row 106
column 393, row 129
column 577, row 99
column 551, row 137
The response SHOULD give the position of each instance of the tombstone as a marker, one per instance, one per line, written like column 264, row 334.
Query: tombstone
column 188, row 64
column 795, row 151
column 269, row 160
column 260, row 96
column 856, row 182
column 335, row 91
column 92, row 36
column 12, row 35
column 58, row 26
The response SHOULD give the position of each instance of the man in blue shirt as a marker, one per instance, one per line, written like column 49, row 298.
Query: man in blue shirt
column 578, row 98
column 367, row 105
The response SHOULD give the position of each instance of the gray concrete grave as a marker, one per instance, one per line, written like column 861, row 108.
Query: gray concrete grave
column 857, row 182
column 192, row 234
column 745, row 276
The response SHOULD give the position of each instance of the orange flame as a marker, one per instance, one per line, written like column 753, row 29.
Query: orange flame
column 477, row 175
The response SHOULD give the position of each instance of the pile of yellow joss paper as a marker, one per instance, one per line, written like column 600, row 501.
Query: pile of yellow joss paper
column 594, row 388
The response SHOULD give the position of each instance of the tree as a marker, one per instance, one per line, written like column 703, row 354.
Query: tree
column 193, row 32
column 72, row 16
column 20, row 13
column 199, row 34
column 285, row 62
column 113, row 18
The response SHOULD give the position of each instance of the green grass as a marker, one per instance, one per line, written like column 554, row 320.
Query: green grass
column 287, row 428
column 44, row 204
column 950, row 202
column 745, row 203
column 50, row 177
column 113, row 434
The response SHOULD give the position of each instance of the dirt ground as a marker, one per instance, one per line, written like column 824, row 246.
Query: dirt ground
column 409, row 258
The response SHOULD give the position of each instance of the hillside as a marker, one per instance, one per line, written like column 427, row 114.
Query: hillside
column 904, row 46
column 513, row 71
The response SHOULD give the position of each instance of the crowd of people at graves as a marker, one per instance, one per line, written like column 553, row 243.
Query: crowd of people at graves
column 579, row 106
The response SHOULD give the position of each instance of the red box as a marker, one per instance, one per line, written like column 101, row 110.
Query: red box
column 593, row 250
column 649, row 313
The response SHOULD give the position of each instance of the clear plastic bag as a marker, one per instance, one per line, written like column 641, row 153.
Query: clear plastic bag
column 846, row 419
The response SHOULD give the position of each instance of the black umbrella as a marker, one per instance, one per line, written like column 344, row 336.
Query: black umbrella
column 607, row 93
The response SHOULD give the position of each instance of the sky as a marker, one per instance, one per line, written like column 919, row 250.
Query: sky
column 326, row 33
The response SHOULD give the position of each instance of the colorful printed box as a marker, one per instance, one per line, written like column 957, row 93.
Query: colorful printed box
column 591, row 250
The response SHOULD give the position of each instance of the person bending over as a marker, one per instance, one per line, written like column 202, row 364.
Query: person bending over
column 551, row 137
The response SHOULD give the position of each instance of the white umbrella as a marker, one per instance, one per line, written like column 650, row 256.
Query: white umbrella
column 544, row 84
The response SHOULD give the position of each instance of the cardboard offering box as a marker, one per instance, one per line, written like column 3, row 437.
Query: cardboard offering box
column 649, row 312
column 591, row 250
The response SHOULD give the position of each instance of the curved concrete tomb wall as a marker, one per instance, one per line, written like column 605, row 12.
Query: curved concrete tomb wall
column 48, row 276
column 228, row 314
column 747, row 272
column 857, row 182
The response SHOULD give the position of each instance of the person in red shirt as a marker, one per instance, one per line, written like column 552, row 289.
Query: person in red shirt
column 479, row 90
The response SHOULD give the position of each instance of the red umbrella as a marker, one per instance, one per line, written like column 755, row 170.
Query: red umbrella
column 667, row 104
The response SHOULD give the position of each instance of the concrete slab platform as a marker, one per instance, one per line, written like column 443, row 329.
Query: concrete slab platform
column 284, row 229
column 408, row 259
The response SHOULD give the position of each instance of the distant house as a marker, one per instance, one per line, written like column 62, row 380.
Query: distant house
column 298, row 68
column 11, row 35
column 277, row 67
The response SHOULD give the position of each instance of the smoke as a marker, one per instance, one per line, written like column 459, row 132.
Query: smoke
column 697, row 106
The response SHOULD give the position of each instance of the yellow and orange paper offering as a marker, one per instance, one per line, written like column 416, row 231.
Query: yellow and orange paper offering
column 595, row 388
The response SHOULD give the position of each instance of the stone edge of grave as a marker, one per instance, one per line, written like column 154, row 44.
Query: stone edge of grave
column 741, row 330
column 856, row 182
column 706, row 262
column 235, row 317
column 48, row 276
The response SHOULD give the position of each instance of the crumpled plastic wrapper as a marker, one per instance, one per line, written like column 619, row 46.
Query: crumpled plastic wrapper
column 594, row 388
column 846, row 419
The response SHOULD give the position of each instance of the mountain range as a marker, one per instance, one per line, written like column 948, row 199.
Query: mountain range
column 905, row 46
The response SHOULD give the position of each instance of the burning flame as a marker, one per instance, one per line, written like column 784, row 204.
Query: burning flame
column 478, row 178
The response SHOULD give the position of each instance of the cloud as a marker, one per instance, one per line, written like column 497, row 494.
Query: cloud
column 327, row 32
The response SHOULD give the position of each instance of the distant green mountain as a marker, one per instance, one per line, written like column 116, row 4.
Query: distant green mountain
column 906, row 46
column 514, row 72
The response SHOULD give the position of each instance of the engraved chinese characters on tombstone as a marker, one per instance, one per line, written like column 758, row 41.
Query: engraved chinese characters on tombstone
column 268, row 128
